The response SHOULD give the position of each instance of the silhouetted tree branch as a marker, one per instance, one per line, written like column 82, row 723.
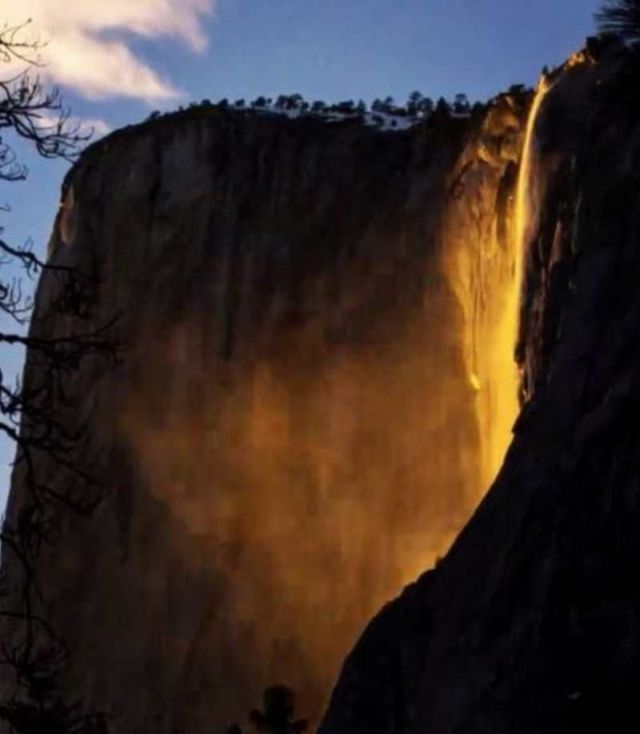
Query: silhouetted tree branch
column 620, row 18
column 46, row 447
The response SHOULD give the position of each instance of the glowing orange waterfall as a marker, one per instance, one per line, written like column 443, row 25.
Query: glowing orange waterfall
column 485, row 270
column 527, row 195
column 502, row 397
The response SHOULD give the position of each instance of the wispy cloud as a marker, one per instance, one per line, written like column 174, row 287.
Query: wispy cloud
column 86, row 127
column 87, row 46
column 95, row 127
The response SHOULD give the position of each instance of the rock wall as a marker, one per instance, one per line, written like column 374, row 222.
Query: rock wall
column 297, row 424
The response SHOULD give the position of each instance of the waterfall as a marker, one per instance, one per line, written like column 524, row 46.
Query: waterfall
column 484, row 251
column 527, row 201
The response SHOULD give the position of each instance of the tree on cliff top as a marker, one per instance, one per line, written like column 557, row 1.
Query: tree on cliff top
column 621, row 19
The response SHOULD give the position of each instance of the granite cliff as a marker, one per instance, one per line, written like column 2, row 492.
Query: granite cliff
column 317, row 324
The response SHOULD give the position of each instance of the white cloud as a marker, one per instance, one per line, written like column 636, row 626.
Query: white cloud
column 87, row 49
column 88, row 129
column 94, row 126
column 97, row 127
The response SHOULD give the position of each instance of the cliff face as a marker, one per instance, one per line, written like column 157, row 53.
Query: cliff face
column 297, row 423
column 317, row 326
column 530, row 624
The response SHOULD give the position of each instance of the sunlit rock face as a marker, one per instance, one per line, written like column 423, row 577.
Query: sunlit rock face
column 530, row 624
column 308, row 317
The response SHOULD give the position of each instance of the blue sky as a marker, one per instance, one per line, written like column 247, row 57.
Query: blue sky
column 116, row 60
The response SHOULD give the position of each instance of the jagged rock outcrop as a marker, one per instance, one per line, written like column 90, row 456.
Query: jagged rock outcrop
column 530, row 624
column 291, row 432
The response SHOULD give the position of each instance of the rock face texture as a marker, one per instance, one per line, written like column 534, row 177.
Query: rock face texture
column 530, row 624
column 292, row 432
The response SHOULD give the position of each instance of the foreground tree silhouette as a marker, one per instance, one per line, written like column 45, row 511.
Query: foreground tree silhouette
column 33, row 655
column 279, row 703
column 620, row 18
